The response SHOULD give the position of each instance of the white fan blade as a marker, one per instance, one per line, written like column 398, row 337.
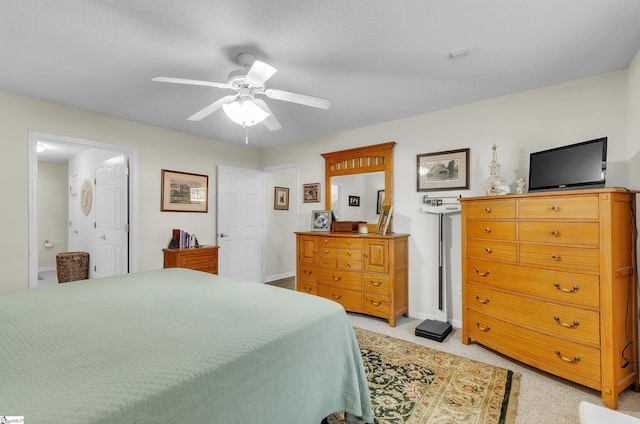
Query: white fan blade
column 212, row 108
column 190, row 82
column 270, row 121
column 259, row 73
column 302, row 99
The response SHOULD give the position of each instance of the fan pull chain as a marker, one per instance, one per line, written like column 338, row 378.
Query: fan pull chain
column 246, row 134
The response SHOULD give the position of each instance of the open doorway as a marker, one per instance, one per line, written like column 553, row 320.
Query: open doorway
column 62, row 150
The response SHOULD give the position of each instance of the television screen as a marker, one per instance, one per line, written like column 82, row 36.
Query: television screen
column 580, row 165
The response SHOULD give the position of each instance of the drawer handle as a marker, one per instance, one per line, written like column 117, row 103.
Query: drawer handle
column 315, row 250
column 374, row 303
column 336, row 296
column 325, row 251
column 349, row 253
column 482, row 274
column 565, row 359
column 566, row 325
column 481, row 328
column 307, row 289
column 487, row 249
column 306, row 272
column 483, row 301
column 554, row 208
column 487, row 230
column 554, row 232
column 325, row 241
column 487, row 210
column 375, row 283
column 336, row 278
column 366, row 255
column 348, row 242
column 326, row 261
column 348, row 264
column 574, row 289
column 554, row 257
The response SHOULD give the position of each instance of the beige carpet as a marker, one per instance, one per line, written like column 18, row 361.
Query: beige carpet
column 413, row 384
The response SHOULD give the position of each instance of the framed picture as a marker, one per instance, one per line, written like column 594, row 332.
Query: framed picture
column 321, row 221
column 281, row 198
column 380, row 201
column 311, row 193
column 383, row 221
column 184, row 192
column 443, row 170
column 354, row 201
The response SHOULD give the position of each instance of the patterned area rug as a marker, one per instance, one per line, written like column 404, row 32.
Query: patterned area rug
column 413, row 384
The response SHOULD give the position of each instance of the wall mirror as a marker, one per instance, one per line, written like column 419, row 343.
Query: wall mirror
column 359, row 181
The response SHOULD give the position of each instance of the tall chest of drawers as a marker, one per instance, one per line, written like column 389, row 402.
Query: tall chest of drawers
column 549, row 279
column 364, row 273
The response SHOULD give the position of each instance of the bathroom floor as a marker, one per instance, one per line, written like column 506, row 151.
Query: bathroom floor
column 47, row 277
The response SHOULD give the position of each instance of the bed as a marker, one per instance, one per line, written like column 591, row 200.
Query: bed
column 176, row 346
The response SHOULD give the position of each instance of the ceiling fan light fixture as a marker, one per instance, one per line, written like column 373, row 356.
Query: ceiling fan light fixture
column 245, row 112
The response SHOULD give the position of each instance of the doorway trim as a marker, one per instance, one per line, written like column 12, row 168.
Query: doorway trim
column 32, row 169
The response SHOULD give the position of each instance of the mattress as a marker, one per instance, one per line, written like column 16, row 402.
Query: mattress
column 176, row 346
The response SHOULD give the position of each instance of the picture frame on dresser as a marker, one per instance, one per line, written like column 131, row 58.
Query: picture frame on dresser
column 384, row 220
column 321, row 220
column 184, row 192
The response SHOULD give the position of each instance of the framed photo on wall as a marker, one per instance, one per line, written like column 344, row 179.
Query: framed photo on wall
column 311, row 193
column 281, row 198
column 184, row 192
column 443, row 170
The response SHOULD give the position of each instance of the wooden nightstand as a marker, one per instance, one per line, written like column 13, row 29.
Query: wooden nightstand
column 203, row 258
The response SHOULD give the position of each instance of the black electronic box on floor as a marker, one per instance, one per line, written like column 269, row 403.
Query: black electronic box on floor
column 434, row 330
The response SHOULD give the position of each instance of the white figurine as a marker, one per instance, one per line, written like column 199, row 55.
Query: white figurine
column 494, row 181
column 521, row 186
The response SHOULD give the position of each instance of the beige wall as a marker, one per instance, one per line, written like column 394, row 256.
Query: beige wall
column 157, row 149
column 53, row 196
column 633, row 118
column 518, row 124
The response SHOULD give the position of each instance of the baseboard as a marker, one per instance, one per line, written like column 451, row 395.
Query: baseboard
column 276, row 277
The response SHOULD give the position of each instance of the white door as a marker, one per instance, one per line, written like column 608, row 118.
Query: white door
column 240, row 233
column 112, row 218
column 74, row 189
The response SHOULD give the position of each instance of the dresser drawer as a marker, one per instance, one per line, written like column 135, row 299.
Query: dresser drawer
column 560, row 286
column 566, row 322
column 376, row 283
column 307, row 287
column 376, row 304
column 349, row 299
column 566, row 359
column 580, row 258
column 349, row 254
column 328, row 262
column 349, row 264
column 341, row 278
column 307, row 272
column 490, row 209
column 327, row 252
column 327, row 242
column 585, row 233
column 492, row 249
column 556, row 207
column 503, row 230
column 348, row 243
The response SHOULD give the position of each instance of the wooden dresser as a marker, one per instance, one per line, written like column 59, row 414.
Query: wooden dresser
column 203, row 258
column 365, row 273
column 549, row 279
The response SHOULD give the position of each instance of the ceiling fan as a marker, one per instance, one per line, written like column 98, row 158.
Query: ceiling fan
column 243, row 107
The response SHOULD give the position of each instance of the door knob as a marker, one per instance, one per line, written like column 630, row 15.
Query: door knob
column 103, row 237
column 224, row 235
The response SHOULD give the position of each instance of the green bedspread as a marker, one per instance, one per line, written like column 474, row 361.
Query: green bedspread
column 176, row 346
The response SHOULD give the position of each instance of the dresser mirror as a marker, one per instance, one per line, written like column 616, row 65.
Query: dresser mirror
column 359, row 181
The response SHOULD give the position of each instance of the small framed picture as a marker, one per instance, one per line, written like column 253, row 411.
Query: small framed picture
column 354, row 201
column 383, row 222
column 443, row 170
column 380, row 202
column 281, row 199
column 311, row 193
column 321, row 221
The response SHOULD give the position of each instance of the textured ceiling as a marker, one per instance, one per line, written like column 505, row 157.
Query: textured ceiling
column 375, row 60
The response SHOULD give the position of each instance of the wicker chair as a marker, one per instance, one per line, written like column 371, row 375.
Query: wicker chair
column 72, row 266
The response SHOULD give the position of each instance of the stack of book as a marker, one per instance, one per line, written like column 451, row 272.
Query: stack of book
column 183, row 240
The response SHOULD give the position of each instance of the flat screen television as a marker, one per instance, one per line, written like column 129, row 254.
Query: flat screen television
column 576, row 166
